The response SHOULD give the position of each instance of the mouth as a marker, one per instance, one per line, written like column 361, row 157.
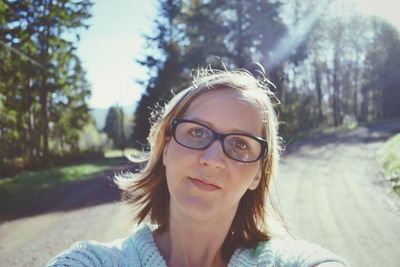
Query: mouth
column 203, row 185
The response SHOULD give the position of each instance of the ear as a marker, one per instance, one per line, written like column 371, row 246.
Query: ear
column 256, row 180
column 165, row 150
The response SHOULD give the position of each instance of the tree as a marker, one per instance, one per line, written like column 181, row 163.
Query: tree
column 164, row 69
column 383, row 61
column 68, row 107
column 333, row 72
column 38, row 66
column 330, row 64
column 193, row 33
column 114, row 127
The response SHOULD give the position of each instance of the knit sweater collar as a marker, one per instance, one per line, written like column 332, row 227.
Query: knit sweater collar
column 143, row 241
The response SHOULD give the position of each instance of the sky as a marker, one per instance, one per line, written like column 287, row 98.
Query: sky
column 388, row 9
column 114, row 41
column 109, row 48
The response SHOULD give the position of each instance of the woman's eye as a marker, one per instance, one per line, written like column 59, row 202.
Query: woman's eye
column 197, row 132
column 241, row 144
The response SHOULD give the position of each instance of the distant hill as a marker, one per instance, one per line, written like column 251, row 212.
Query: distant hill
column 99, row 115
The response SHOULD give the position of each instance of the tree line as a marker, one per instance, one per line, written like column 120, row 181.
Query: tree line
column 43, row 89
column 330, row 65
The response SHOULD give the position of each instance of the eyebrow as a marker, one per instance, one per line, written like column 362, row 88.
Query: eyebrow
column 234, row 130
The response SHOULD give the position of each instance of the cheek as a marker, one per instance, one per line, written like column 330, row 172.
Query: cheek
column 176, row 157
column 170, row 153
column 249, row 176
column 180, row 153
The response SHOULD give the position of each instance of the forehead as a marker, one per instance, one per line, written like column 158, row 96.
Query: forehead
column 226, row 110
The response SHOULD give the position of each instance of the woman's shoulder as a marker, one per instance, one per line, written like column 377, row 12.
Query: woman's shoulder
column 120, row 252
column 297, row 252
column 285, row 252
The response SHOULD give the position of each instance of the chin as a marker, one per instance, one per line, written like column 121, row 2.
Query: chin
column 197, row 207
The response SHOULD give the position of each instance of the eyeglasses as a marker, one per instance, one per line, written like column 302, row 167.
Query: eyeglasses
column 237, row 146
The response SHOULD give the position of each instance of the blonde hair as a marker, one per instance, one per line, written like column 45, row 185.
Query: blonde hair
column 147, row 191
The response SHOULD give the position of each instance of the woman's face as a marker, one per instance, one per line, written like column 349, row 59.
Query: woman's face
column 207, row 184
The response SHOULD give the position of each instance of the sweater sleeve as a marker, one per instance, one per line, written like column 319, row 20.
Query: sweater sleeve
column 299, row 253
column 93, row 254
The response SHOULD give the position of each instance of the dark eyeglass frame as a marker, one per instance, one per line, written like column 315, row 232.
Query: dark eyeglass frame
column 221, row 138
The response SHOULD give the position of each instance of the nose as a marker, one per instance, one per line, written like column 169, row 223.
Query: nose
column 213, row 156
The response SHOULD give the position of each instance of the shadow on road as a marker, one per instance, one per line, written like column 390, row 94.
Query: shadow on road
column 367, row 134
column 99, row 189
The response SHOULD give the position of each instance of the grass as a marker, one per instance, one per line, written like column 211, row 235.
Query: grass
column 389, row 158
column 119, row 153
column 28, row 187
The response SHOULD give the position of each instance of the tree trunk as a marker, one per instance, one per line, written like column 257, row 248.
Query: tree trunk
column 336, row 90
column 363, row 116
column 317, row 75
column 122, row 129
column 43, row 95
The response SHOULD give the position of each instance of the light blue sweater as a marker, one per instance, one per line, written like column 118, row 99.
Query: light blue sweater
column 140, row 249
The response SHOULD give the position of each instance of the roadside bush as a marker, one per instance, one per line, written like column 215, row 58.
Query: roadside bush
column 390, row 160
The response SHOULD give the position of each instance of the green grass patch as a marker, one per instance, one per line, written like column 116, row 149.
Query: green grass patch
column 396, row 188
column 31, row 186
column 389, row 158
column 115, row 153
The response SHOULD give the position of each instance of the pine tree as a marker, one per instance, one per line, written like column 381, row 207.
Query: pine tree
column 38, row 63
column 114, row 127
column 197, row 33
column 166, row 68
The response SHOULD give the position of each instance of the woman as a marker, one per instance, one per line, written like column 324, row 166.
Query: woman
column 214, row 151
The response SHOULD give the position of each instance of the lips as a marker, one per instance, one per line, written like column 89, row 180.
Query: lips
column 203, row 185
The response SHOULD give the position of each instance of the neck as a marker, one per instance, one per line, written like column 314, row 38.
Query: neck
column 193, row 243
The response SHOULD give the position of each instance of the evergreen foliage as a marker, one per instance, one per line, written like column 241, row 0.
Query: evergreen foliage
column 330, row 66
column 114, row 127
column 43, row 89
column 195, row 33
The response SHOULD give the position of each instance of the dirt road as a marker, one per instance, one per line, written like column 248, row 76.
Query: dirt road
column 329, row 190
column 331, row 194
